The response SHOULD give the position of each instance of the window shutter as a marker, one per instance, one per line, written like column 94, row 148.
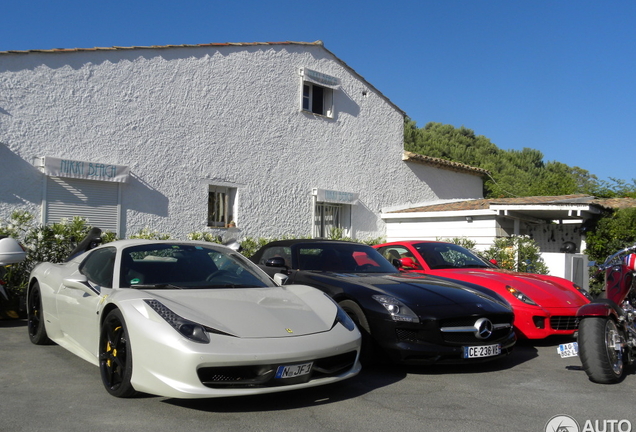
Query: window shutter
column 96, row 201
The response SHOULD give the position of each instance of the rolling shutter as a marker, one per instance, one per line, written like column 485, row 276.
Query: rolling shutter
column 96, row 201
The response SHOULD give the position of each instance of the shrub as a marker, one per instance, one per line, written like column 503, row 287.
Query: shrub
column 461, row 241
column 337, row 234
column 52, row 243
column 146, row 234
column 55, row 242
column 517, row 253
column 204, row 236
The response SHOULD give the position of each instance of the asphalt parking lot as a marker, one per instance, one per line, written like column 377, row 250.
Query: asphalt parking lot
column 49, row 389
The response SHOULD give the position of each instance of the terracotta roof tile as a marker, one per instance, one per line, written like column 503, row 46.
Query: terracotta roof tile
column 119, row 48
column 443, row 163
column 482, row 204
column 615, row 203
column 478, row 204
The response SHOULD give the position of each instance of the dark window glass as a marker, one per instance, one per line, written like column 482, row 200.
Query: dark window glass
column 317, row 100
column 98, row 267
column 187, row 266
column 342, row 258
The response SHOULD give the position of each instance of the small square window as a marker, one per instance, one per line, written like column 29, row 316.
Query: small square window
column 317, row 99
column 220, row 206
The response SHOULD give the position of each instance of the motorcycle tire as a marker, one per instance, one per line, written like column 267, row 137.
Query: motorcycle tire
column 601, row 361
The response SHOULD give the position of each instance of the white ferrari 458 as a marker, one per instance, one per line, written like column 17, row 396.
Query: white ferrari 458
column 188, row 320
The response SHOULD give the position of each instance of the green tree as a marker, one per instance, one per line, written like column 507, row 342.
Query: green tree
column 615, row 230
column 525, row 173
column 512, row 172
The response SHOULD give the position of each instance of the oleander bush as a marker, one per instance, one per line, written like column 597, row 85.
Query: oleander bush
column 54, row 243
column 516, row 253
column 51, row 243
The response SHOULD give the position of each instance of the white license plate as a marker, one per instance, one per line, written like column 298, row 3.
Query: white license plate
column 293, row 371
column 568, row 350
column 482, row 351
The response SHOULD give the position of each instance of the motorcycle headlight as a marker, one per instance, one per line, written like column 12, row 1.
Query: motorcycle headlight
column 191, row 330
column 520, row 295
column 398, row 310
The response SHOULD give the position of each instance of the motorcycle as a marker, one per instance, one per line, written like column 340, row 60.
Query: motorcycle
column 606, row 341
column 11, row 252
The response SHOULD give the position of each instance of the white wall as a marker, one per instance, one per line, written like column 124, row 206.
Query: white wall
column 480, row 229
column 572, row 267
column 184, row 117
column 483, row 230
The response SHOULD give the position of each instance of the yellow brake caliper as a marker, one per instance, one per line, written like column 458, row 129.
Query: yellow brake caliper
column 109, row 348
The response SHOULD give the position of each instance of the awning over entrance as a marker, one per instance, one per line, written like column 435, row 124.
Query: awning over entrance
column 58, row 167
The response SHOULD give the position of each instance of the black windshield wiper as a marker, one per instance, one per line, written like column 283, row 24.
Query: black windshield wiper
column 156, row 286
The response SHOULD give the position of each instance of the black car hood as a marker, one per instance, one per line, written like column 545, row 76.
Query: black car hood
column 417, row 291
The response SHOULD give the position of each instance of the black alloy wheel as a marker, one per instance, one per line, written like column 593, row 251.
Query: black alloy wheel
column 35, row 317
column 115, row 356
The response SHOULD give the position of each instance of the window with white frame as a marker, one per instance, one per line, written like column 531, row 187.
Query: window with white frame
column 220, row 205
column 331, row 220
column 318, row 92
column 318, row 99
column 332, row 212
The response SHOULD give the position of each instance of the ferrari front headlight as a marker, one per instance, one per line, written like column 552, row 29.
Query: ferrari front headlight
column 341, row 316
column 191, row 330
column 520, row 295
column 344, row 319
column 583, row 291
column 398, row 310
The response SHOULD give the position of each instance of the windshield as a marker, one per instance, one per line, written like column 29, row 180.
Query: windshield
column 187, row 266
column 448, row 255
column 342, row 258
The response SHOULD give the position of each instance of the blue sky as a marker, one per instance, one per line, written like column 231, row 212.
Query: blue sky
column 557, row 76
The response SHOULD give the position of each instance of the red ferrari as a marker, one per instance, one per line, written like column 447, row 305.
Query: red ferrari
column 543, row 305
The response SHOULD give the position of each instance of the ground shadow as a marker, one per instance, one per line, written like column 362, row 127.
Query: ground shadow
column 549, row 341
column 371, row 378
column 519, row 355
column 12, row 323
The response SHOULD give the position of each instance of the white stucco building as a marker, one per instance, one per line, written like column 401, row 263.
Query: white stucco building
column 282, row 138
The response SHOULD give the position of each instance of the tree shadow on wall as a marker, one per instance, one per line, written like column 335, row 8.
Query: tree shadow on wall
column 21, row 181
column 143, row 198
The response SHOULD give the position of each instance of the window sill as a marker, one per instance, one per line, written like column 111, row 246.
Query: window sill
column 328, row 117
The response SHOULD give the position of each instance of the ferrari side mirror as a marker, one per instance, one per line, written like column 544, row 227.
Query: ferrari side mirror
column 280, row 278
